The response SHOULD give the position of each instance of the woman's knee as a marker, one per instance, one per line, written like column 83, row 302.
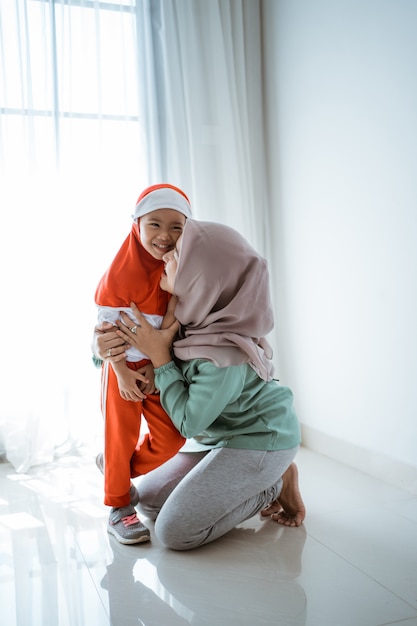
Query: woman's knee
column 178, row 536
column 149, row 504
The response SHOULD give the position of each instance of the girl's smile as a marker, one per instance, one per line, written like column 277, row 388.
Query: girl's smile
column 160, row 230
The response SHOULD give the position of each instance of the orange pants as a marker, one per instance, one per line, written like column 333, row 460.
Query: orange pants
column 125, row 454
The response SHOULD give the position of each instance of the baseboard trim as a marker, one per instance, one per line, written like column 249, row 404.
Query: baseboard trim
column 372, row 463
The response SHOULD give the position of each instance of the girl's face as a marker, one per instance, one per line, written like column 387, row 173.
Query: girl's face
column 160, row 230
column 171, row 265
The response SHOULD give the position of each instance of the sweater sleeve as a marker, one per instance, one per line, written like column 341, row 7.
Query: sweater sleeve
column 195, row 404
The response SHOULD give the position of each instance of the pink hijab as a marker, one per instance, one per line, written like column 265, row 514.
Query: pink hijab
column 224, row 305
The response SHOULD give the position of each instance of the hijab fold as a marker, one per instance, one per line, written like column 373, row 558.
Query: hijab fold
column 134, row 274
column 224, row 305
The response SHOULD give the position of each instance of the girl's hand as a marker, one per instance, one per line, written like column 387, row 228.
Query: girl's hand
column 148, row 386
column 154, row 343
column 130, row 383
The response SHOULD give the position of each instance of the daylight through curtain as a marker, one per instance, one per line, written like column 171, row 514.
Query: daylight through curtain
column 72, row 167
column 203, row 104
column 99, row 98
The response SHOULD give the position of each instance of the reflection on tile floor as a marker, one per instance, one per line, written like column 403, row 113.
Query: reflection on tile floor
column 353, row 562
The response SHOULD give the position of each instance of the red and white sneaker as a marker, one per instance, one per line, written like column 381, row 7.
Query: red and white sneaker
column 125, row 525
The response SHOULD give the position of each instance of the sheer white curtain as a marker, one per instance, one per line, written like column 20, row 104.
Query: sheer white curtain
column 203, row 105
column 72, row 165
column 97, row 100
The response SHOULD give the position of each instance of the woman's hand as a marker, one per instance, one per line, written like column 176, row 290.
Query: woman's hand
column 107, row 344
column 154, row 343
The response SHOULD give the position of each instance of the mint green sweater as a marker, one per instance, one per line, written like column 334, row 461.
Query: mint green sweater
column 227, row 406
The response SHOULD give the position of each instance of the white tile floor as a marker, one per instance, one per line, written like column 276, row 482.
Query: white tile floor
column 352, row 563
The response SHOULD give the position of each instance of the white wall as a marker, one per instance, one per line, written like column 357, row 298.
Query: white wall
column 341, row 80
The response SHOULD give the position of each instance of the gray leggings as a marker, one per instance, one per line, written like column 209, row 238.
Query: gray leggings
column 197, row 497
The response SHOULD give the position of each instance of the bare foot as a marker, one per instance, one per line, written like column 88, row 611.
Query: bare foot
column 288, row 509
column 274, row 507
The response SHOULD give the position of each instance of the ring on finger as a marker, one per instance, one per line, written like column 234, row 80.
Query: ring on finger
column 134, row 329
column 109, row 352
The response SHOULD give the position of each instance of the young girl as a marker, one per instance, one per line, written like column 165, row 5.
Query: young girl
column 128, row 390
column 219, row 391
